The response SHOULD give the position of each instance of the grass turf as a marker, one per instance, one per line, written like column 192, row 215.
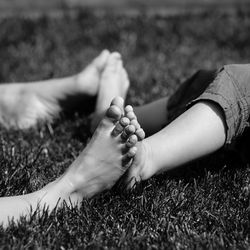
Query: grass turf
column 204, row 205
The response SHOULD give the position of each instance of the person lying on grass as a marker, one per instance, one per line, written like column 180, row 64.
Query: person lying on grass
column 92, row 172
column 208, row 112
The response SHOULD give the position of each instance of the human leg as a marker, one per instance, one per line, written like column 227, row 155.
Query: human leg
column 156, row 115
column 217, row 117
column 23, row 104
column 196, row 133
column 90, row 173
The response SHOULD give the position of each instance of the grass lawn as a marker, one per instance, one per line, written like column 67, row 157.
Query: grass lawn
column 204, row 205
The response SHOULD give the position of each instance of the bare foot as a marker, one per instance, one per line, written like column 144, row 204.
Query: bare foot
column 106, row 157
column 140, row 168
column 141, row 164
column 88, row 80
column 23, row 105
column 114, row 82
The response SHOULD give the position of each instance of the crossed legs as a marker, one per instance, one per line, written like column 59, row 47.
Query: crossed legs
column 198, row 132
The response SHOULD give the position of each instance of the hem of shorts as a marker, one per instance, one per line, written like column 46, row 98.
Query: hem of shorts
column 243, row 101
column 222, row 103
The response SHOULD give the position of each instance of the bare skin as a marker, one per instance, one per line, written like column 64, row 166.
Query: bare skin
column 22, row 105
column 199, row 131
column 114, row 82
column 91, row 173
column 116, row 149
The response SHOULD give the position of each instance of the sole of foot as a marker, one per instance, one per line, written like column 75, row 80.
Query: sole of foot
column 101, row 163
column 114, row 82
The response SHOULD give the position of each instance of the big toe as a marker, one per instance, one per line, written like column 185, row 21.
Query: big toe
column 119, row 102
column 101, row 61
column 114, row 62
column 114, row 113
column 115, row 56
column 115, row 110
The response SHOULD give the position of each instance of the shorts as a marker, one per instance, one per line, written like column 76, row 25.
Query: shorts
column 228, row 87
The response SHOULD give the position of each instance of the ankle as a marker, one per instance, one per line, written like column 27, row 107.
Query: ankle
column 57, row 193
column 160, row 156
column 149, row 168
column 81, row 182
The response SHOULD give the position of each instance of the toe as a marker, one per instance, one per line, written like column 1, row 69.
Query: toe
column 140, row 134
column 119, row 127
column 114, row 113
column 129, row 130
column 116, row 55
column 131, row 115
column 114, row 61
column 129, row 155
column 101, row 60
column 129, row 112
column 124, row 121
column 132, row 140
column 132, row 152
column 128, row 109
column 119, row 102
column 135, row 123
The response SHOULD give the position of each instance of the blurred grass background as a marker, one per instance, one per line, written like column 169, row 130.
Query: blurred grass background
column 205, row 205
column 164, row 7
